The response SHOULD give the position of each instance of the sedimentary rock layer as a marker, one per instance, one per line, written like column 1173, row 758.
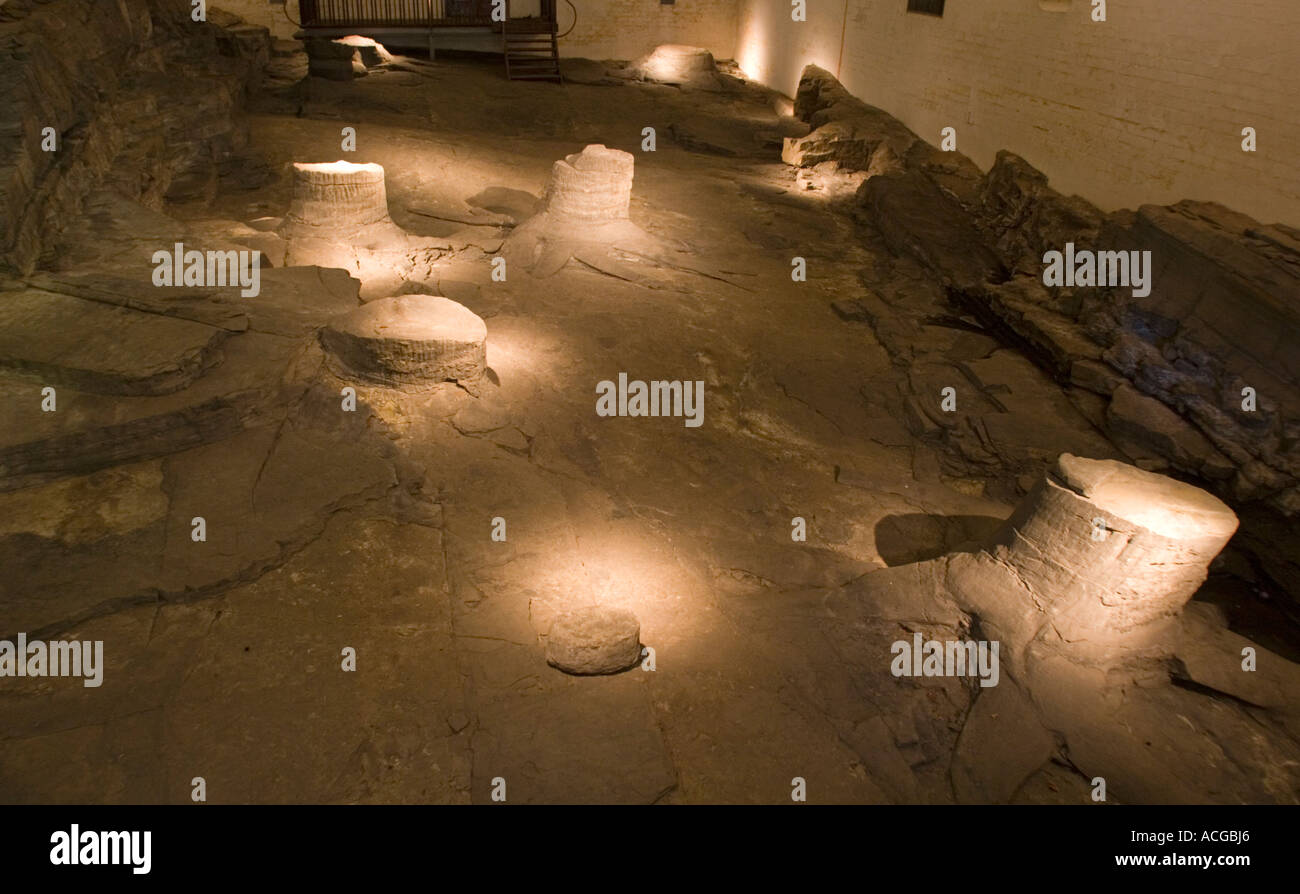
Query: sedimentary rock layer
column 1220, row 317
column 134, row 94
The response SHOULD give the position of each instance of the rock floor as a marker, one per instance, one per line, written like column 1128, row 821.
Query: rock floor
column 371, row 530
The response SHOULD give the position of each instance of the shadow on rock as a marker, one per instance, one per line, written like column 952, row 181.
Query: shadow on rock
column 916, row 537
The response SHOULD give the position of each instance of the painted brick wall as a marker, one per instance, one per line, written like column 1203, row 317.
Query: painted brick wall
column 626, row 29
column 606, row 29
column 1145, row 107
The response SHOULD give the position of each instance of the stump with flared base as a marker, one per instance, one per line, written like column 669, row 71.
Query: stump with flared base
column 1097, row 561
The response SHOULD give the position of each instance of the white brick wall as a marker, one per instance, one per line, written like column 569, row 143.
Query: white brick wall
column 1146, row 107
column 606, row 29
column 626, row 29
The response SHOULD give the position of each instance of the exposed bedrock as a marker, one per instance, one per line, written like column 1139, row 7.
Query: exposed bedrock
column 1198, row 377
column 138, row 97
column 1085, row 591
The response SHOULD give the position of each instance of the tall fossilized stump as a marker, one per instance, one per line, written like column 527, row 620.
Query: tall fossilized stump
column 591, row 186
column 335, row 201
column 1084, row 590
column 338, row 217
column 1097, row 562
column 1117, row 551
column 584, row 215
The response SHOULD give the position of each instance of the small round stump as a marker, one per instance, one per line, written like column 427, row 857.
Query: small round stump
column 594, row 639
column 408, row 340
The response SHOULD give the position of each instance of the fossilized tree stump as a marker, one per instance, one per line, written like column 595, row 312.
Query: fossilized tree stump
column 1111, row 554
column 594, row 639
column 673, row 63
column 333, row 59
column 408, row 340
column 336, row 198
column 591, row 186
column 371, row 51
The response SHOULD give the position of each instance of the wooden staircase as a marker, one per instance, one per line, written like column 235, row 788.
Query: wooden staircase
column 532, row 51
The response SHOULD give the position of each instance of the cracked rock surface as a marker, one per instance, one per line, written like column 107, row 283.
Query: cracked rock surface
column 439, row 536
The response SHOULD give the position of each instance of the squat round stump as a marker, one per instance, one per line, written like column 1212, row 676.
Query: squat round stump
column 594, row 639
column 408, row 340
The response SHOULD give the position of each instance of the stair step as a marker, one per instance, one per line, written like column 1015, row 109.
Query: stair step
column 531, row 55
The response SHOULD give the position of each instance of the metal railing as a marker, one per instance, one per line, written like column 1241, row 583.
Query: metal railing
column 402, row 13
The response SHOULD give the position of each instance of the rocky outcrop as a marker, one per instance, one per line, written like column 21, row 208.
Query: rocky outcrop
column 855, row 136
column 1200, row 376
column 138, row 96
column 1023, row 217
column 917, row 218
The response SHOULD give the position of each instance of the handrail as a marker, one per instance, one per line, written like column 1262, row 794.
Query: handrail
column 404, row 13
